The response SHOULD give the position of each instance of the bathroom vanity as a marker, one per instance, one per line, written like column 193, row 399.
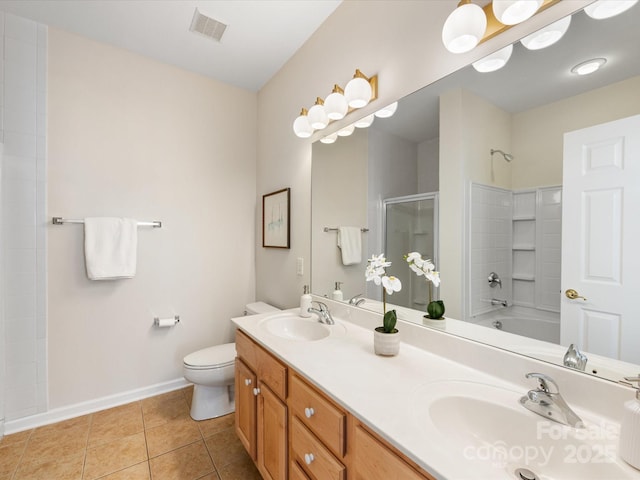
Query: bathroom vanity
column 314, row 402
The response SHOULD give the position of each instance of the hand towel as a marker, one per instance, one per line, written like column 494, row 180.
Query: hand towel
column 350, row 243
column 110, row 247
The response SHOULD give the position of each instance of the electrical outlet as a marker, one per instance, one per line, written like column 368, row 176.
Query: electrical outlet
column 300, row 266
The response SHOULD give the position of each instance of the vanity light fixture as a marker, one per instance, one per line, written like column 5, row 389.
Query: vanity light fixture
column 589, row 66
column 329, row 138
column 548, row 35
column 495, row 61
column 608, row 8
column 301, row 126
column 387, row 111
column 464, row 27
column 317, row 116
column 364, row 122
column 335, row 105
column 359, row 90
column 512, row 12
column 346, row 131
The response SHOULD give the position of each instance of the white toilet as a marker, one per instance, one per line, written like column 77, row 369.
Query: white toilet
column 212, row 370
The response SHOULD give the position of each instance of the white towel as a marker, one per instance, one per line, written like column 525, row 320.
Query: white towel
column 350, row 242
column 110, row 247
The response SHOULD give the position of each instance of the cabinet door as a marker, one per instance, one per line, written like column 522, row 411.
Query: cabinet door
column 272, row 435
column 246, row 407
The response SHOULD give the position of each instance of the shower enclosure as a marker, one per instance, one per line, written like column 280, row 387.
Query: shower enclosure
column 410, row 224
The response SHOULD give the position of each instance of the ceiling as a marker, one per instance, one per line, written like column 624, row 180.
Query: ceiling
column 260, row 37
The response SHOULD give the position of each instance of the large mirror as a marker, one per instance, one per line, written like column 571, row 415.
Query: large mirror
column 497, row 212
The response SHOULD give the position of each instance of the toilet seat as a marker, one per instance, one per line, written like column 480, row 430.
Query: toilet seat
column 218, row 356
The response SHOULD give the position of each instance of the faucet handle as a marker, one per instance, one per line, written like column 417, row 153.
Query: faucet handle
column 321, row 306
column 544, row 381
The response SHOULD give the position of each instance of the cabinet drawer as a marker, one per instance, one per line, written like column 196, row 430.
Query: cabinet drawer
column 373, row 460
column 318, row 413
column 315, row 458
column 266, row 367
column 296, row 472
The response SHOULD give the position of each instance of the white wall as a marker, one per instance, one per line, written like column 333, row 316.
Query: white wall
column 23, row 111
column 133, row 137
column 429, row 166
column 406, row 54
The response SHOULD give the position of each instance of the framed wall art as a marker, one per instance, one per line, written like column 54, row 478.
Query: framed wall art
column 276, row 208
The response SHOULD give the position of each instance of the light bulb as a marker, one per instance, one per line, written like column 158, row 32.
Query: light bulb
column 317, row 116
column 511, row 12
column 464, row 28
column 495, row 61
column 335, row 105
column 548, row 35
column 365, row 121
column 301, row 126
column 387, row 111
column 358, row 91
column 608, row 8
column 346, row 131
column 329, row 138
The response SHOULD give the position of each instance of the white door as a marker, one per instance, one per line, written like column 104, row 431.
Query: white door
column 601, row 239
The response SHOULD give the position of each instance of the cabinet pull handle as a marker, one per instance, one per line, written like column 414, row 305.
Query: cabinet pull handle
column 247, row 381
column 308, row 458
column 309, row 412
column 256, row 391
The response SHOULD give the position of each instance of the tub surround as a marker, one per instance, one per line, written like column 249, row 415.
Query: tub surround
column 345, row 368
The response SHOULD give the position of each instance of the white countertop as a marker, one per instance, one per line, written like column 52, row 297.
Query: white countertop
column 389, row 394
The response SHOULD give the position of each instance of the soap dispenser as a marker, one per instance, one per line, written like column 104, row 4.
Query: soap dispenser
column 305, row 302
column 337, row 293
column 629, row 447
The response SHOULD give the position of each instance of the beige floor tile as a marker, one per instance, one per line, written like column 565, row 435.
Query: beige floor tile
column 188, row 394
column 113, row 456
column 210, row 476
column 160, row 410
column 242, row 470
column 74, row 425
column 109, row 425
column 172, row 435
column 60, row 468
column 137, row 472
column 42, row 448
column 225, row 448
column 215, row 425
column 187, row 463
column 19, row 437
column 10, row 456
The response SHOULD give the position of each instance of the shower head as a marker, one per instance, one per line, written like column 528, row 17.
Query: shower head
column 507, row 156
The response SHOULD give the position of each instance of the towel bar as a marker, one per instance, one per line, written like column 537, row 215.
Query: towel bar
column 335, row 229
column 62, row 221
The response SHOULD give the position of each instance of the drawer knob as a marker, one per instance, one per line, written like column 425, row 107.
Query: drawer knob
column 247, row 381
column 256, row 391
column 308, row 458
column 309, row 412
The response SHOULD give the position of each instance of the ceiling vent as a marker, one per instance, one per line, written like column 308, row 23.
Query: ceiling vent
column 207, row 26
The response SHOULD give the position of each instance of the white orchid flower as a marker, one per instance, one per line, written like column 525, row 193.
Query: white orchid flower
column 391, row 284
column 434, row 277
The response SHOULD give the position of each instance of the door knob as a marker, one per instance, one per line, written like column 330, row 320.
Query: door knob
column 573, row 295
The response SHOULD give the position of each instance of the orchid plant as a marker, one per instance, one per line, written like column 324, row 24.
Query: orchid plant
column 426, row 268
column 376, row 273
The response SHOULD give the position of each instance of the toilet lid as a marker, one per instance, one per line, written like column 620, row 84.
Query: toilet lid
column 216, row 356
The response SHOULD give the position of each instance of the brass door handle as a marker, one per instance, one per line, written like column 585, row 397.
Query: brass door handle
column 573, row 295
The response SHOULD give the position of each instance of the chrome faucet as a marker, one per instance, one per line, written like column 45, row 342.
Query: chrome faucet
column 574, row 358
column 494, row 279
column 356, row 300
column 324, row 315
column 547, row 402
column 497, row 301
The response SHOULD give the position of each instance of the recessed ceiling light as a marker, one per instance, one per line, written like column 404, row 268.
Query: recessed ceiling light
column 589, row 66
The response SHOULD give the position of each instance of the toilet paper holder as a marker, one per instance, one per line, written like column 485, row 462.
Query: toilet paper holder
column 166, row 322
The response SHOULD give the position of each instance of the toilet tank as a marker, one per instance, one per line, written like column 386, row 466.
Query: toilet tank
column 257, row 308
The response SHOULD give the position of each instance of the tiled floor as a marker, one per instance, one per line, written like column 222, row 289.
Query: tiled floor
column 152, row 439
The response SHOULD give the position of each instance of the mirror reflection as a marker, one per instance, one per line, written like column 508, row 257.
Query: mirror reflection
column 490, row 147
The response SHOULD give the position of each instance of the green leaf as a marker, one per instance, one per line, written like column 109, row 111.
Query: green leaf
column 389, row 321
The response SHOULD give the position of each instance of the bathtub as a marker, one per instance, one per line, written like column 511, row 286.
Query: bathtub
column 528, row 322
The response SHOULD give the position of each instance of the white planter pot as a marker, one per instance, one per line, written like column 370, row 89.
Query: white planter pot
column 386, row 344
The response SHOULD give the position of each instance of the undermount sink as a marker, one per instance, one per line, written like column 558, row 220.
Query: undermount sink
column 291, row 326
column 486, row 425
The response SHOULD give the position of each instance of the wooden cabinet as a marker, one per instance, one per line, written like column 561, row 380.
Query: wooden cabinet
column 261, row 412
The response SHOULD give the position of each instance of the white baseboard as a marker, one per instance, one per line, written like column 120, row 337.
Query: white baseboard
column 84, row 408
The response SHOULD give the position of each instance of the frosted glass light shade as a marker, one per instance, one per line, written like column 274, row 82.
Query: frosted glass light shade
column 548, row 35
column 590, row 66
column 317, row 117
column 329, row 138
column 608, row 8
column 365, row 122
column 495, row 61
column 301, row 127
column 335, row 106
column 388, row 111
column 511, row 12
column 358, row 92
column 346, row 131
column 464, row 28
